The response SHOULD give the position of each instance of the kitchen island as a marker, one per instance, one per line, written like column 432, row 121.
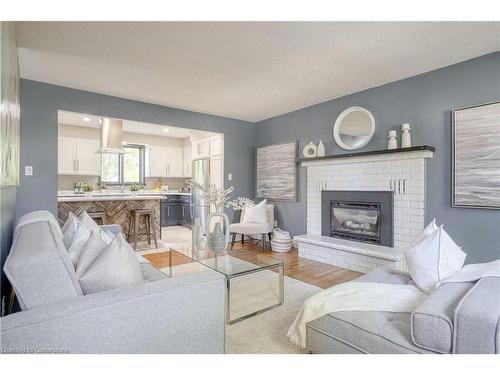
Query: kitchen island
column 116, row 206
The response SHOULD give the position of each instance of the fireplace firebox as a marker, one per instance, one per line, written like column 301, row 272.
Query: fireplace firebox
column 364, row 216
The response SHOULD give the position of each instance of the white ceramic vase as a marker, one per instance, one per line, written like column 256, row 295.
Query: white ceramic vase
column 405, row 137
column 393, row 140
column 310, row 150
column 321, row 149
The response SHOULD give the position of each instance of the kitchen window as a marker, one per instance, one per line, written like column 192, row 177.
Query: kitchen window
column 126, row 168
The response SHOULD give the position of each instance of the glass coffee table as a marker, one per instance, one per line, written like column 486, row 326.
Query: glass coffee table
column 233, row 265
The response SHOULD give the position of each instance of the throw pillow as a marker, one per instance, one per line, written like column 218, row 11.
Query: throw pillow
column 92, row 226
column 78, row 241
column 428, row 230
column 433, row 259
column 90, row 251
column 115, row 267
column 69, row 229
column 256, row 214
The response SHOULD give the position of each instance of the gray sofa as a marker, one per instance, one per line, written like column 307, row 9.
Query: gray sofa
column 162, row 315
column 455, row 318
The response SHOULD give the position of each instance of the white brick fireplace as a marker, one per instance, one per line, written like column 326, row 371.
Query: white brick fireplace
column 402, row 172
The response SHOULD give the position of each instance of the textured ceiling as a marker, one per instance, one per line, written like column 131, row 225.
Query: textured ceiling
column 244, row 70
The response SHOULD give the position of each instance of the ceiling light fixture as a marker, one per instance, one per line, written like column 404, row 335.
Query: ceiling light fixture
column 166, row 129
column 86, row 119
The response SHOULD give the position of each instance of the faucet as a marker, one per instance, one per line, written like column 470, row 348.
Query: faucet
column 123, row 188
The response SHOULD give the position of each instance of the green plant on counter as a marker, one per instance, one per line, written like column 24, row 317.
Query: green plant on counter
column 101, row 186
column 87, row 188
column 136, row 187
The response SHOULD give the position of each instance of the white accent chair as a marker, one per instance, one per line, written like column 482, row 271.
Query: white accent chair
column 253, row 229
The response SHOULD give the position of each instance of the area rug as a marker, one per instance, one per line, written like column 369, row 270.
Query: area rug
column 264, row 333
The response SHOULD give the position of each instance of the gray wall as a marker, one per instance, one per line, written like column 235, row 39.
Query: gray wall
column 40, row 103
column 425, row 101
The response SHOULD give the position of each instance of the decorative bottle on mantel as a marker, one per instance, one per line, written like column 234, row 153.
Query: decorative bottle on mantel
column 405, row 137
column 393, row 140
column 321, row 149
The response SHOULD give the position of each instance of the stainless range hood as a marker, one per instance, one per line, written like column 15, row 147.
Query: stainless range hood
column 110, row 136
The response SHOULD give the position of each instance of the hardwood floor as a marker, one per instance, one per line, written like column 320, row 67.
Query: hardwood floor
column 308, row 271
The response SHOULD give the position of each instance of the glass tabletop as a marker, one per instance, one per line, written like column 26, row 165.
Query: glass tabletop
column 228, row 263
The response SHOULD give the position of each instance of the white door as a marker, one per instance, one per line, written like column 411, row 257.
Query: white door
column 87, row 160
column 157, row 162
column 66, row 155
column 174, row 161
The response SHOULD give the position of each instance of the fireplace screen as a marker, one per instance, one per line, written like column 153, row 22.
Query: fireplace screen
column 357, row 221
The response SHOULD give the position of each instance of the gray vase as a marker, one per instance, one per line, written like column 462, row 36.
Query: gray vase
column 217, row 239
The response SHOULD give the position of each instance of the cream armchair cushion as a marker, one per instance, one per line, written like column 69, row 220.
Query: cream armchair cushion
column 251, row 228
column 248, row 228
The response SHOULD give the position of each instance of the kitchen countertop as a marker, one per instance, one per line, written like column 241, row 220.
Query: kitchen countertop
column 69, row 196
column 124, row 197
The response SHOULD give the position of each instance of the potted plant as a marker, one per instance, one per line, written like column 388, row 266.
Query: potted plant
column 135, row 188
column 101, row 186
column 87, row 189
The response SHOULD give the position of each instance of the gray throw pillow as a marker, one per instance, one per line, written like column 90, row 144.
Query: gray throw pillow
column 92, row 226
column 115, row 267
column 90, row 251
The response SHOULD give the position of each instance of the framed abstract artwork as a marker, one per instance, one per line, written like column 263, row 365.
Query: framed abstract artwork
column 476, row 156
column 9, row 114
column 277, row 172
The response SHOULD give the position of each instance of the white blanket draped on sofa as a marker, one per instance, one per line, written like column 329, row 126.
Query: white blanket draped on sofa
column 354, row 296
column 358, row 296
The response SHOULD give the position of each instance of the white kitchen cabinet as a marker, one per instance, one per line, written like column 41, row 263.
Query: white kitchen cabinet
column 215, row 142
column 66, row 155
column 201, row 148
column 164, row 161
column 87, row 161
column 77, row 156
column 174, row 161
column 187, row 160
column 156, row 160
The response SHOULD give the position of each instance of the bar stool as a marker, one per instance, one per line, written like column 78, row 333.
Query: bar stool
column 149, row 224
column 98, row 217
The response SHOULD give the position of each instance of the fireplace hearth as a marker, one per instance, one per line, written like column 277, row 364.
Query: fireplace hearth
column 364, row 216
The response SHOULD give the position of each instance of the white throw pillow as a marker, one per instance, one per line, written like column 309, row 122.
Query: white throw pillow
column 69, row 229
column 433, row 259
column 428, row 230
column 115, row 267
column 92, row 226
column 90, row 251
column 256, row 214
column 78, row 241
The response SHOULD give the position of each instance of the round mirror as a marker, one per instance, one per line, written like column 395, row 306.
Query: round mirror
column 354, row 128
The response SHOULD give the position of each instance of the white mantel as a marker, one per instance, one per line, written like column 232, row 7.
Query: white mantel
column 402, row 172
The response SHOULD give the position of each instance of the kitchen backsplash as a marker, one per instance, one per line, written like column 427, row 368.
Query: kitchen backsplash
column 67, row 182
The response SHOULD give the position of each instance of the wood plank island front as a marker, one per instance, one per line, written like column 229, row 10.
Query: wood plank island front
column 117, row 209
